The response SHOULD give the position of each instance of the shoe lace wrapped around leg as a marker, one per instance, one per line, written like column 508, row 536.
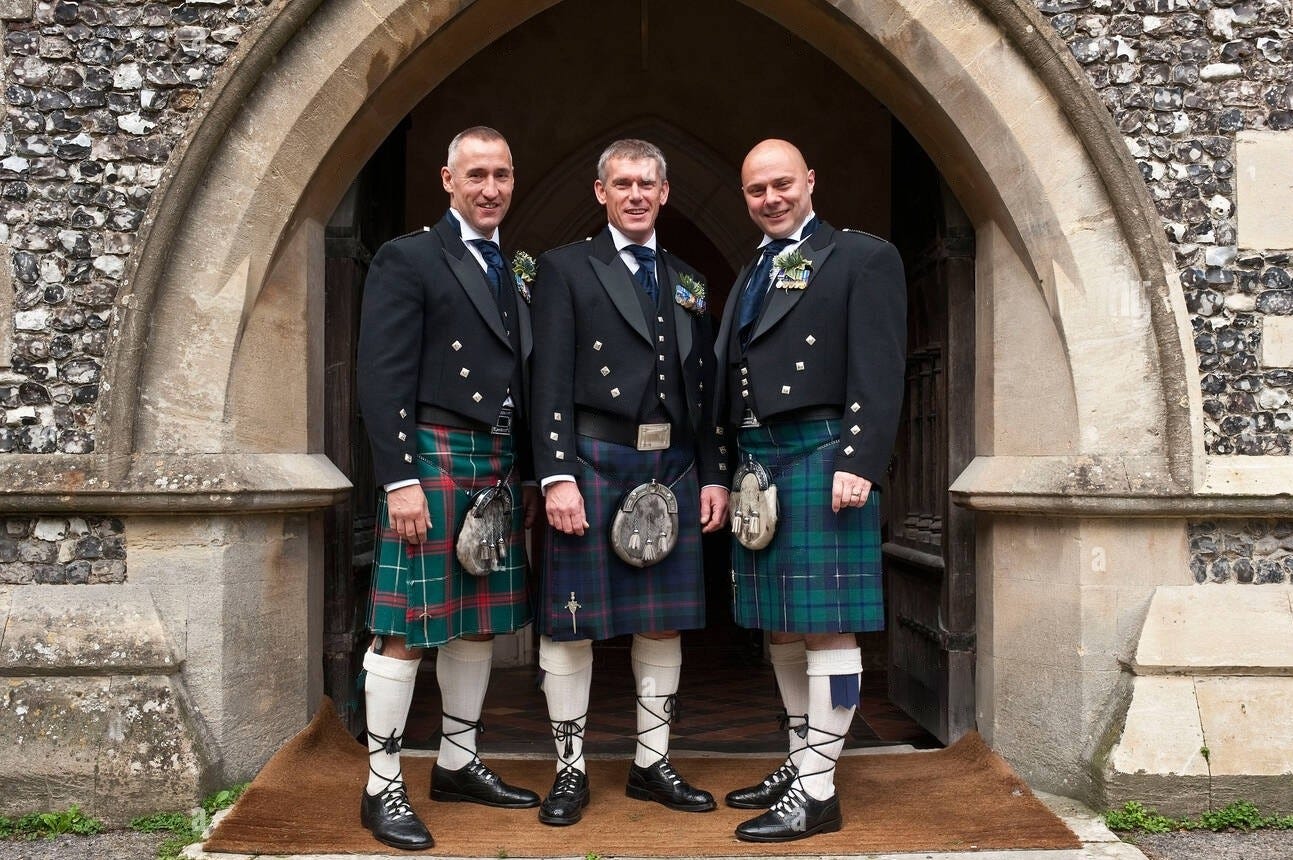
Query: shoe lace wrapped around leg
column 565, row 731
column 468, row 726
column 796, row 795
column 667, row 715
column 394, row 797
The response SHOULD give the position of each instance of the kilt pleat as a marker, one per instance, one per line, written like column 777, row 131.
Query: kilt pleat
column 610, row 597
column 421, row 591
column 821, row 573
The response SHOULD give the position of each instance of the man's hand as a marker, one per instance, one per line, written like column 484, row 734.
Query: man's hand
column 849, row 491
column 530, row 504
column 410, row 518
column 565, row 506
column 713, row 508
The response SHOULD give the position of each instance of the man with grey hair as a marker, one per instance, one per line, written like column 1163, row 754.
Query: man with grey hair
column 621, row 402
column 443, row 345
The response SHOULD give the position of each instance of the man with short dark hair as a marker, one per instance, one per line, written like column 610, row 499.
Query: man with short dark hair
column 443, row 345
column 621, row 400
column 812, row 351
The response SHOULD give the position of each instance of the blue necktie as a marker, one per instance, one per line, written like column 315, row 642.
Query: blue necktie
column 646, row 270
column 494, row 269
column 757, row 287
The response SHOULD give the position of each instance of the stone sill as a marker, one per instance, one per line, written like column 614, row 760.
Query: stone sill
column 1094, row 486
column 162, row 483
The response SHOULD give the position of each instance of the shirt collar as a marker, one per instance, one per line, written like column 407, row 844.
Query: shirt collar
column 621, row 241
column 466, row 231
column 795, row 237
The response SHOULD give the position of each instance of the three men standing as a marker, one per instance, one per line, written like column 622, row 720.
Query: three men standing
column 443, row 346
column 625, row 400
column 811, row 360
column 620, row 400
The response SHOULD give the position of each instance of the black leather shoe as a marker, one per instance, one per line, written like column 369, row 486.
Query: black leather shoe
column 661, row 783
column 392, row 821
column 766, row 793
column 794, row 816
column 565, row 803
column 476, row 783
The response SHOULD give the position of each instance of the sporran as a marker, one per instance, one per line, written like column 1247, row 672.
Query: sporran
column 753, row 505
column 645, row 527
column 482, row 541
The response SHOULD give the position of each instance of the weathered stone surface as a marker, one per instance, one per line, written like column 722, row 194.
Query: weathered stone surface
column 119, row 746
column 96, row 627
column 1221, row 629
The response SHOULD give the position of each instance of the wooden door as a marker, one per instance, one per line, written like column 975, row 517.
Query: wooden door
column 371, row 212
column 929, row 548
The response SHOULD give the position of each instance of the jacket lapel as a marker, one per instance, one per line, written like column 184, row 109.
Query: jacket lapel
column 729, row 315
column 470, row 276
column 618, row 283
column 779, row 302
column 681, row 316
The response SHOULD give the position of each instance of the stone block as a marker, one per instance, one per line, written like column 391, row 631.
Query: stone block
column 1218, row 629
column 1277, row 341
column 1163, row 733
column 1264, row 180
column 53, row 629
column 17, row 10
column 118, row 747
column 1246, row 724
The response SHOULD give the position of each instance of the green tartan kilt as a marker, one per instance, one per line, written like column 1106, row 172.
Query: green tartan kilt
column 421, row 591
column 822, row 571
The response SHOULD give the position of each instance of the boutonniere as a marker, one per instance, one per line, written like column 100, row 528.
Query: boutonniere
column 792, row 270
column 523, row 272
column 690, row 293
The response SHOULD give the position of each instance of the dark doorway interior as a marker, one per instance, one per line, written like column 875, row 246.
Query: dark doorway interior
column 685, row 70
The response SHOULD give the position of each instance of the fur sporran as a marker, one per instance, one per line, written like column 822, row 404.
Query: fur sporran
column 645, row 528
column 753, row 505
column 482, row 541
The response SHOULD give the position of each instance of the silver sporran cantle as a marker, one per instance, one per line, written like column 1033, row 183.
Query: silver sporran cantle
column 753, row 505
column 482, row 541
column 645, row 528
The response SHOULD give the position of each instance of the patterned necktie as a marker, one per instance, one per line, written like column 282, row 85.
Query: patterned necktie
column 646, row 270
column 757, row 287
column 494, row 269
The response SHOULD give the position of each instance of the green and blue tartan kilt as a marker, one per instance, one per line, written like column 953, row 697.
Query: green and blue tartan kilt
column 422, row 592
column 821, row 573
column 610, row 597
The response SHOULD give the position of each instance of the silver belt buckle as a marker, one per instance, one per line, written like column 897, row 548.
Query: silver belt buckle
column 749, row 421
column 653, row 437
column 503, row 424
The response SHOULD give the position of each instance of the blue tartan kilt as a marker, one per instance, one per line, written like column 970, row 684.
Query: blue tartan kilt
column 610, row 597
column 822, row 571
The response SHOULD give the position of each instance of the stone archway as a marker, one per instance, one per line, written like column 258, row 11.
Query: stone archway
column 1071, row 268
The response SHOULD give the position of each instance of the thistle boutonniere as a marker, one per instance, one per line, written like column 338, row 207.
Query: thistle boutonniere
column 523, row 272
column 792, row 270
column 690, row 293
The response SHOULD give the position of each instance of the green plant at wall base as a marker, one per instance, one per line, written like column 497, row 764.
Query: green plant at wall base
column 1240, row 815
column 35, row 825
column 186, row 827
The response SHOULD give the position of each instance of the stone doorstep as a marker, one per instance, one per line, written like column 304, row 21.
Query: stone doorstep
column 1217, row 630
column 1098, row 843
column 60, row 630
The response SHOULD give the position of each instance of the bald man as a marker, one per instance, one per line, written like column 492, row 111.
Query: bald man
column 811, row 356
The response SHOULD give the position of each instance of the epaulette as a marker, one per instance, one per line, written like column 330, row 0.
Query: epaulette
column 863, row 233
column 412, row 233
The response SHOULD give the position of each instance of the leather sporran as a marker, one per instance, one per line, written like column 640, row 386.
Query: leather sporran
column 753, row 505
column 482, row 541
column 645, row 528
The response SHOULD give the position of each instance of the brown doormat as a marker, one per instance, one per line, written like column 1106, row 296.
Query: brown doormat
column 306, row 801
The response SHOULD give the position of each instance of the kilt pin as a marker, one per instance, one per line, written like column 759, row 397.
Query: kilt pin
column 421, row 591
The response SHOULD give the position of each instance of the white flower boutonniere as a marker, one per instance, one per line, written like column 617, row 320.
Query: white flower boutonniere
column 793, row 269
column 690, row 293
column 523, row 271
